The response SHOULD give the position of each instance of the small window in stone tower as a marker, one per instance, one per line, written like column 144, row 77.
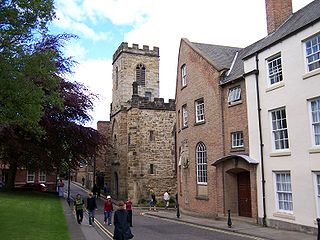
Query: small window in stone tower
column 141, row 74
column 148, row 95
column 151, row 137
column 117, row 77
column 129, row 138
column 151, row 170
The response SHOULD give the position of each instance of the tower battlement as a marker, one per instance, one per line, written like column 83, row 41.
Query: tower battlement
column 124, row 48
column 156, row 104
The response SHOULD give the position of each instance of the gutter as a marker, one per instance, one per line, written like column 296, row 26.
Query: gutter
column 263, row 181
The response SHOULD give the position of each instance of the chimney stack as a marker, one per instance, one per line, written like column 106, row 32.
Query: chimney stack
column 278, row 11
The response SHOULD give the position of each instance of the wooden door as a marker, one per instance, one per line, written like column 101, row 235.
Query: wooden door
column 244, row 194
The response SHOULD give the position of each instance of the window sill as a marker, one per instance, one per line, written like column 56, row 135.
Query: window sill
column 231, row 104
column 184, row 127
column 280, row 154
column 237, row 149
column 311, row 74
column 275, row 86
column 183, row 87
column 201, row 197
column 285, row 215
column 314, row 150
column 199, row 123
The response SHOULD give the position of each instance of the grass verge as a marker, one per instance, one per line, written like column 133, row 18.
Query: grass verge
column 31, row 216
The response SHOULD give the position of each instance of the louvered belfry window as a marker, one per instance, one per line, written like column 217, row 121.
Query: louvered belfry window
column 141, row 74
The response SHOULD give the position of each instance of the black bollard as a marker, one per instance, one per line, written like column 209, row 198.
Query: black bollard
column 229, row 219
column 177, row 206
column 178, row 211
column 318, row 221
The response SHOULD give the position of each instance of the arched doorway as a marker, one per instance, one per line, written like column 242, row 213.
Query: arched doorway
column 236, row 183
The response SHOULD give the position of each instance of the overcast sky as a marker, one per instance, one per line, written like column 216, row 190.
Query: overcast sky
column 103, row 24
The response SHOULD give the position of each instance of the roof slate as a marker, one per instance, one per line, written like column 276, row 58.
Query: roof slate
column 221, row 56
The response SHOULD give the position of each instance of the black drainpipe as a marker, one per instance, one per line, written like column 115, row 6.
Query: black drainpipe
column 264, row 222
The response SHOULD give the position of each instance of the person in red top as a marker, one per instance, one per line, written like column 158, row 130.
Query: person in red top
column 108, row 209
column 128, row 204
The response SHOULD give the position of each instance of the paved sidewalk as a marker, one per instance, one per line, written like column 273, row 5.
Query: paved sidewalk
column 79, row 231
column 238, row 226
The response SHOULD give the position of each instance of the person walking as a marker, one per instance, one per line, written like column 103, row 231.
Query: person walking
column 166, row 198
column 78, row 208
column 91, row 207
column 83, row 180
column 61, row 188
column 95, row 190
column 153, row 201
column 128, row 204
column 108, row 209
column 122, row 230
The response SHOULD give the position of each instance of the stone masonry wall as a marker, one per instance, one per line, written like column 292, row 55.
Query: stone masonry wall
column 143, row 151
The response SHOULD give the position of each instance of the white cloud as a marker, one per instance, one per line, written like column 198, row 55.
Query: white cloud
column 119, row 12
column 73, row 19
column 96, row 75
column 76, row 51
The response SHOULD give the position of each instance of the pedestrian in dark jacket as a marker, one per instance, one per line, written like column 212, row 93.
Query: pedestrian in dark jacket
column 95, row 190
column 121, row 224
column 91, row 207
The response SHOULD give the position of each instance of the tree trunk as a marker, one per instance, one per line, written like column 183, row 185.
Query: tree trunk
column 12, row 175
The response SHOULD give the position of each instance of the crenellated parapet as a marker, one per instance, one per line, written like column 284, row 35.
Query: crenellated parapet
column 157, row 104
column 124, row 48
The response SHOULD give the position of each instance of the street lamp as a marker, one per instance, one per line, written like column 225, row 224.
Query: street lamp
column 69, row 176
column 94, row 170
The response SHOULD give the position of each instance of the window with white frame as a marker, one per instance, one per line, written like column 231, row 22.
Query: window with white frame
column 312, row 46
column 237, row 139
column 315, row 120
column 42, row 176
column 30, row 176
column 201, row 157
column 184, row 116
column 199, row 111
column 279, row 129
column 274, row 69
column 184, row 75
column 317, row 190
column 284, row 191
column 234, row 94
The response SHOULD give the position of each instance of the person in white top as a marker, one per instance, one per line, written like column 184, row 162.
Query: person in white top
column 166, row 198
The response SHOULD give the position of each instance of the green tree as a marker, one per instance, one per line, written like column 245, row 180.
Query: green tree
column 30, row 67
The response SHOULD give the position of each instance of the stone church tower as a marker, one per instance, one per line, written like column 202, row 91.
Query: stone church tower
column 142, row 127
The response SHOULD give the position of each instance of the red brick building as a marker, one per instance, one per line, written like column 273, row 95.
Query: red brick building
column 214, row 171
column 24, row 176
